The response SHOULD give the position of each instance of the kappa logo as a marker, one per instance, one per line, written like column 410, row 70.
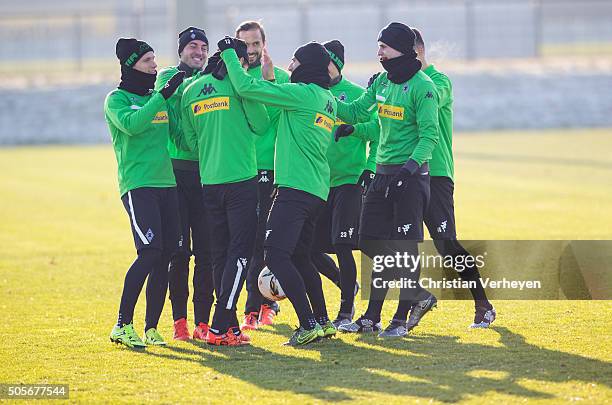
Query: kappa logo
column 404, row 229
column 207, row 89
column 243, row 261
column 329, row 107
column 324, row 122
column 263, row 177
column 160, row 118
column 391, row 111
column 149, row 235
column 442, row 227
column 211, row 104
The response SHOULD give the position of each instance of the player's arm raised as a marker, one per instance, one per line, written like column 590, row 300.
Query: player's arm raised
column 279, row 95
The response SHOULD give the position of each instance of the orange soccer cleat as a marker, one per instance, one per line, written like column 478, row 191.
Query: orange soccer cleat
column 180, row 330
column 201, row 331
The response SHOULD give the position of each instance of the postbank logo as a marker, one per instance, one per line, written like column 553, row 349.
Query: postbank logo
column 324, row 122
column 211, row 104
column 390, row 111
column 160, row 118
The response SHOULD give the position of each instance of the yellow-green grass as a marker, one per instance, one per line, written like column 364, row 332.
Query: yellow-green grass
column 65, row 244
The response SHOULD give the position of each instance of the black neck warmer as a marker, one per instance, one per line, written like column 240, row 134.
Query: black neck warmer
column 189, row 71
column 402, row 68
column 336, row 80
column 311, row 74
column 136, row 82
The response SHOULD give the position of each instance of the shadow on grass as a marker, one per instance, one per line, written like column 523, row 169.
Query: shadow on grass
column 426, row 366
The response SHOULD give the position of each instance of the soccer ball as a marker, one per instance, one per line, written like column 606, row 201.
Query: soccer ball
column 269, row 286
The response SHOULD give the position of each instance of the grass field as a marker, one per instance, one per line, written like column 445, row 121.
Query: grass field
column 65, row 245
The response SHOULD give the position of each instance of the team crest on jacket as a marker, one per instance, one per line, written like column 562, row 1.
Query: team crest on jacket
column 342, row 97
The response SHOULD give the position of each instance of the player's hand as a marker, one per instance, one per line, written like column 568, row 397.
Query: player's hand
column 365, row 179
column 372, row 78
column 267, row 67
column 226, row 43
column 398, row 184
column 168, row 90
column 342, row 131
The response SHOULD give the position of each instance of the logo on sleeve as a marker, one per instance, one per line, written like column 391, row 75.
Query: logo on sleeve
column 160, row 118
column 211, row 104
column 391, row 111
column 324, row 122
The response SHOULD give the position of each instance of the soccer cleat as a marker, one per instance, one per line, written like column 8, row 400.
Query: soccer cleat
column 361, row 325
column 342, row 319
column 244, row 338
column 180, row 330
column 250, row 321
column 228, row 338
column 153, row 338
column 329, row 329
column 201, row 331
column 126, row 335
column 303, row 336
column 418, row 311
column 267, row 314
column 396, row 328
column 484, row 317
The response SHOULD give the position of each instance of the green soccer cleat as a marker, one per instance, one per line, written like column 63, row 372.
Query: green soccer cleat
column 126, row 335
column 153, row 338
column 329, row 329
column 303, row 336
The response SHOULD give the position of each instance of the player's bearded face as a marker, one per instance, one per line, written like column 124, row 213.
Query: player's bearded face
column 195, row 54
column 254, row 42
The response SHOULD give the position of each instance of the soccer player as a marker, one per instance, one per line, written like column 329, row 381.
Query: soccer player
column 301, row 174
column 137, row 118
column 351, row 171
column 396, row 201
column 258, row 310
column 193, row 54
column 222, row 127
column 440, row 216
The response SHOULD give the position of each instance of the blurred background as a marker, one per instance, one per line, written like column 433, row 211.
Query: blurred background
column 515, row 64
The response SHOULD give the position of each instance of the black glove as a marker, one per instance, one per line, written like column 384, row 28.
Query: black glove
column 168, row 90
column 365, row 179
column 395, row 189
column 372, row 78
column 220, row 71
column 226, row 43
column 343, row 130
column 212, row 62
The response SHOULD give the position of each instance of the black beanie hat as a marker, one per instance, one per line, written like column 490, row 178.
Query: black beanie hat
column 188, row 35
column 335, row 49
column 399, row 37
column 313, row 54
column 130, row 50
